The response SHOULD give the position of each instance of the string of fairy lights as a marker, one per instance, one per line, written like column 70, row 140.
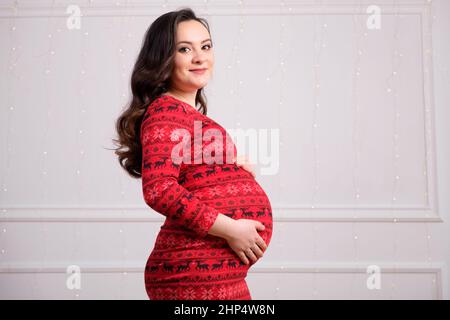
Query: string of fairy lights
column 81, row 136
column 44, row 155
column 235, row 66
column 281, row 28
column 391, row 90
column 357, row 35
column 428, row 158
column 124, row 31
column 281, row 64
column 12, row 63
column 44, row 144
column 319, row 45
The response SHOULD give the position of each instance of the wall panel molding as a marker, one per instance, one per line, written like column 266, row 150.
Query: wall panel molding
column 280, row 214
column 434, row 269
column 34, row 9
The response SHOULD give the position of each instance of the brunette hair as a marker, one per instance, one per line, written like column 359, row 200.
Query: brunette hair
column 150, row 79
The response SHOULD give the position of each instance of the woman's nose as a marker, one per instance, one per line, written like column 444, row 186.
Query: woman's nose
column 199, row 56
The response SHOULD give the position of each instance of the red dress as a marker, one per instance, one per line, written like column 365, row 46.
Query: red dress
column 186, row 262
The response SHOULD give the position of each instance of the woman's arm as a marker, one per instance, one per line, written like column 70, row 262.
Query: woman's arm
column 162, row 192
column 222, row 227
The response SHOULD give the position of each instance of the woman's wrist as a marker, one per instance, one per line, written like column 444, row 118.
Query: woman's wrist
column 222, row 227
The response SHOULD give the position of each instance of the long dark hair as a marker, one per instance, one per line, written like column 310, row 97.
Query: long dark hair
column 150, row 79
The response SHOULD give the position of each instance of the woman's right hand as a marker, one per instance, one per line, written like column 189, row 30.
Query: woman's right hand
column 244, row 239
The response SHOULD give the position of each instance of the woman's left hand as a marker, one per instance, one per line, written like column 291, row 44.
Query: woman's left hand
column 244, row 162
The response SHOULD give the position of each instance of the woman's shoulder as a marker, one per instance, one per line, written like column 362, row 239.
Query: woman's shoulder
column 158, row 102
column 170, row 105
column 164, row 110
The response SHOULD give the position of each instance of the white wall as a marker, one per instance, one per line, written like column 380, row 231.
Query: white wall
column 65, row 201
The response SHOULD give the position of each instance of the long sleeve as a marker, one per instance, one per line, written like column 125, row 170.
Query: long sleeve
column 160, row 134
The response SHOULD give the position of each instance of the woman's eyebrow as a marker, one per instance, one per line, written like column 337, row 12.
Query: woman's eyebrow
column 191, row 42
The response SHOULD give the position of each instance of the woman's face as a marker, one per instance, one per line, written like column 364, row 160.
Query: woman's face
column 193, row 50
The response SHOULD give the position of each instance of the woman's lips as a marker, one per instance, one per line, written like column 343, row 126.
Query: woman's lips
column 199, row 71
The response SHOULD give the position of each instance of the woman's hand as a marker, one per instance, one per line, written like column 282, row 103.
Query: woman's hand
column 244, row 162
column 243, row 238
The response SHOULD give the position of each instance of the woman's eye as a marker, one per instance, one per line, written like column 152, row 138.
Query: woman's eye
column 206, row 45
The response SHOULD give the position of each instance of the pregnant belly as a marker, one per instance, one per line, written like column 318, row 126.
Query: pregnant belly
column 233, row 192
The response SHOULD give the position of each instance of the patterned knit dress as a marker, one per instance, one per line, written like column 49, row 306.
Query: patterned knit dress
column 186, row 262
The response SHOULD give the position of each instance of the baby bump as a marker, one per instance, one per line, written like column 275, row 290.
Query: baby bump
column 235, row 193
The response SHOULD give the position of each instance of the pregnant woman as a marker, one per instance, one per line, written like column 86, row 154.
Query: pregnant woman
column 218, row 218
